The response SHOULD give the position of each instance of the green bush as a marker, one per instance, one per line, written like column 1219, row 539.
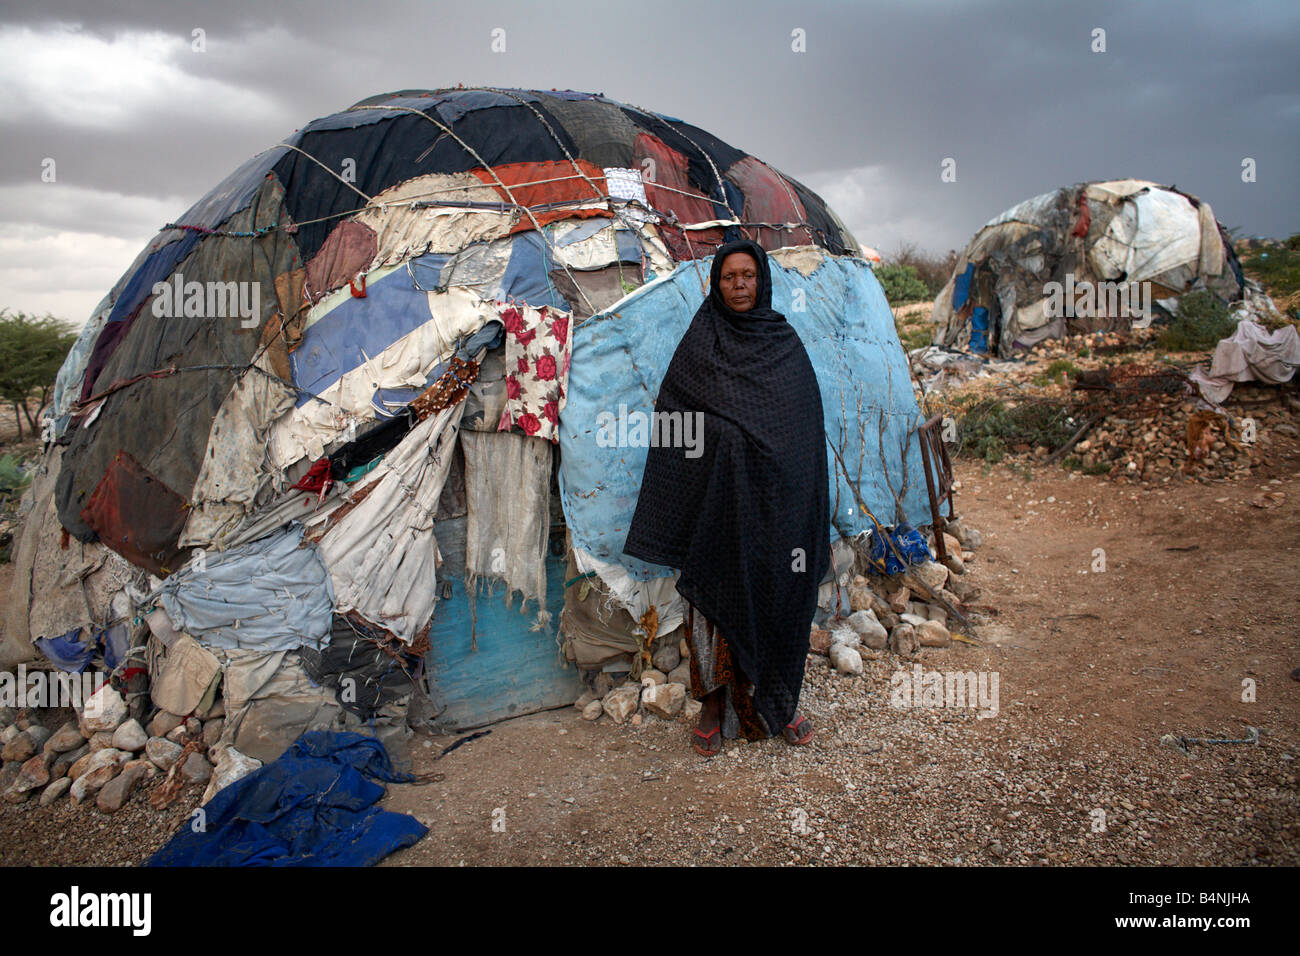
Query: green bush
column 901, row 284
column 1278, row 269
column 1061, row 370
column 1202, row 320
column 12, row 477
column 990, row 428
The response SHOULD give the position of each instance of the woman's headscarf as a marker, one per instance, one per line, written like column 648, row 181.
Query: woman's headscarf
column 747, row 521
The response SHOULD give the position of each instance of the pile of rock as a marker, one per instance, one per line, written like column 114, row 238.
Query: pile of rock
column 1152, row 447
column 662, row 690
column 888, row 613
column 885, row 615
column 105, row 755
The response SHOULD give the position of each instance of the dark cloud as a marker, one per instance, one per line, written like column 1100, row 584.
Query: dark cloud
column 1010, row 90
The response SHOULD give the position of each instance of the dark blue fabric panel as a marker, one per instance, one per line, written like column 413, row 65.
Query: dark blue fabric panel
column 357, row 328
column 314, row 806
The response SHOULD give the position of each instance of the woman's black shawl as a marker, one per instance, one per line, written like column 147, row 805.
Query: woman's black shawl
column 747, row 520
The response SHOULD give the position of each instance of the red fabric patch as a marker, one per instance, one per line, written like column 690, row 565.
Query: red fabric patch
column 536, row 184
column 769, row 198
column 136, row 515
column 1085, row 218
column 666, row 179
column 351, row 247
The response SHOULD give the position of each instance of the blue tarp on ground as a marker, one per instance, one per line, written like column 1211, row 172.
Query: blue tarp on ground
column 840, row 313
column 314, row 806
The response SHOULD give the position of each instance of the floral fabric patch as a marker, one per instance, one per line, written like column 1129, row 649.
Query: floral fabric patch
column 538, row 349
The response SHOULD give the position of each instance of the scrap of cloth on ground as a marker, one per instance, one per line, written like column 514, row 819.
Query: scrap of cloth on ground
column 744, row 514
column 314, row 806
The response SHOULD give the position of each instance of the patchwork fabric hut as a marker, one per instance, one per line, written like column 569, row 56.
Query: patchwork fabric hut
column 1093, row 257
column 369, row 388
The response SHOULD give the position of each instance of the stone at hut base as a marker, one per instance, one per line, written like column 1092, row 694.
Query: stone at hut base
column 196, row 769
column 585, row 698
column 902, row 640
column 963, row 590
column 846, row 659
column 861, row 599
column 91, row 782
column 681, row 674
column 665, row 700
column 66, row 759
column 68, row 737
column 34, row 773
column 691, row 709
column 899, row 599
column 26, row 745
column 212, row 731
column 231, row 766
column 872, row 632
column 931, row 574
column 593, row 710
column 162, row 753
column 666, row 658
column 621, row 702
column 117, row 791
column 130, row 736
column 656, row 676
column 55, row 790
column 164, row 723
column 104, row 710
column 819, row 641
column 933, row 634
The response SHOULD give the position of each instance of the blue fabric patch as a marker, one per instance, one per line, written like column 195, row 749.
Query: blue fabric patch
column 356, row 328
column 910, row 543
column 271, row 594
column 66, row 652
column 117, row 644
column 156, row 268
column 961, row 288
column 236, row 191
column 314, row 806
column 351, row 119
column 979, row 330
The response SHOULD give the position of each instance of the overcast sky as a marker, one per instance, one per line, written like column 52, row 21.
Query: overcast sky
column 140, row 125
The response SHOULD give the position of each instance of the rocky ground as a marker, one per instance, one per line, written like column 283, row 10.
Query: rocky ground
column 1142, row 591
column 1199, row 593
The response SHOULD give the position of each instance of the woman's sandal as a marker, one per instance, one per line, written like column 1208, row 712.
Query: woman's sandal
column 792, row 732
column 716, row 749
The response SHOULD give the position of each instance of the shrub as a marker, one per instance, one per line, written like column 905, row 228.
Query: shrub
column 901, row 284
column 1201, row 321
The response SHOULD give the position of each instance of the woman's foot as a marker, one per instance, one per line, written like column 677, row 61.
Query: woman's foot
column 708, row 733
column 798, row 732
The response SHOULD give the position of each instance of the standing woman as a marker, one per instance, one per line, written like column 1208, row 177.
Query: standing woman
column 747, row 519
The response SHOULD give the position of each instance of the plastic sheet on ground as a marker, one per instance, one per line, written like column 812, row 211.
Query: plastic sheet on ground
column 315, row 806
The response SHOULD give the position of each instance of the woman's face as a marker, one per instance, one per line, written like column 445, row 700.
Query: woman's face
column 738, row 282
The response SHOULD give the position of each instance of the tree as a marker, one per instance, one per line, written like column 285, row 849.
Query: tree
column 31, row 351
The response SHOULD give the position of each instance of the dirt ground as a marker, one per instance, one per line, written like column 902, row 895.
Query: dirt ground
column 1199, row 593
column 1094, row 668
